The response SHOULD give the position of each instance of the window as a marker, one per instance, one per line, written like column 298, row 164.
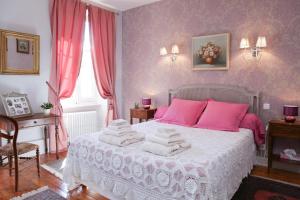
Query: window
column 85, row 92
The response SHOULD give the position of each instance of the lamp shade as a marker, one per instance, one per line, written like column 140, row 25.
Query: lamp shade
column 261, row 42
column 163, row 51
column 289, row 110
column 244, row 43
column 146, row 101
column 175, row 49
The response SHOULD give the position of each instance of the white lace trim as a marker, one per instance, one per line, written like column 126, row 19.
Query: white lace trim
column 121, row 173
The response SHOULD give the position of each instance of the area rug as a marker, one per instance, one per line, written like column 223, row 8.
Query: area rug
column 255, row 188
column 43, row 193
column 55, row 167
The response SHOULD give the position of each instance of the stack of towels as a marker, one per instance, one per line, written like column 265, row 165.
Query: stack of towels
column 165, row 142
column 120, row 133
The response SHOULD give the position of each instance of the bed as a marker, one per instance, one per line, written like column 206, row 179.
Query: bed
column 212, row 169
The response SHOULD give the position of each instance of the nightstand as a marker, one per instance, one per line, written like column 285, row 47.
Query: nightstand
column 142, row 114
column 281, row 129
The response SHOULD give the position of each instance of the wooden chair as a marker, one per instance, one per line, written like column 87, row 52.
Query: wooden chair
column 12, row 150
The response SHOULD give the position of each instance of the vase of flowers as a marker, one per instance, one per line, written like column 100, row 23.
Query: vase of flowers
column 209, row 53
column 47, row 106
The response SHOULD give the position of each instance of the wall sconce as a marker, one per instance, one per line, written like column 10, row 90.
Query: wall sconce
column 255, row 51
column 173, row 54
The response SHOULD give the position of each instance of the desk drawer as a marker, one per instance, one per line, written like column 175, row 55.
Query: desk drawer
column 35, row 122
column 139, row 114
column 285, row 131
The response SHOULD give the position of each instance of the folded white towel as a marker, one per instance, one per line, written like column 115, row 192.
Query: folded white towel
column 167, row 132
column 167, row 135
column 290, row 154
column 119, row 122
column 166, row 141
column 108, row 131
column 289, row 157
column 122, row 140
column 162, row 150
column 119, row 128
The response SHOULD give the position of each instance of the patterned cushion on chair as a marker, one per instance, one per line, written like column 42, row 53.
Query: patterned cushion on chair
column 3, row 131
column 22, row 148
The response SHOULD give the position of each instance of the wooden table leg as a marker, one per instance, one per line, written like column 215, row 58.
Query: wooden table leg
column 140, row 120
column 56, row 138
column 1, row 161
column 270, row 152
column 131, row 121
column 46, row 138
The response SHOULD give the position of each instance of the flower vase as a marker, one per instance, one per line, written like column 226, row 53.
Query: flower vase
column 46, row 111
column 209, row 60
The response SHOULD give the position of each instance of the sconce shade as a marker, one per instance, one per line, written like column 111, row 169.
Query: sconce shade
column 261, row 42
column 163, row 51
column 244, row 43
column 175, row 49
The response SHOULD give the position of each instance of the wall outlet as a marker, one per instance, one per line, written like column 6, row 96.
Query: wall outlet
column 266, row 106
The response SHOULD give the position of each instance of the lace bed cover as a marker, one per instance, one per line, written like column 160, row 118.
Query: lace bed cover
column 212, row 169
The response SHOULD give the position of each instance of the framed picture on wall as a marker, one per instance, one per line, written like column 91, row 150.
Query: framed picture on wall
column 23, row 46
column 16, row 105
column 211, row 52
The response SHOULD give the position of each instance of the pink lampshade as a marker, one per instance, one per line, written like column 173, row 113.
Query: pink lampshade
column 146, row 101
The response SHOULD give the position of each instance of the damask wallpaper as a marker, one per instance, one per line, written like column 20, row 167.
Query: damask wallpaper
column 146, row 29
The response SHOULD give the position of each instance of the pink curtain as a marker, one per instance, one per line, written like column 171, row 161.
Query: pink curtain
column 67, row 26
column 103, row 45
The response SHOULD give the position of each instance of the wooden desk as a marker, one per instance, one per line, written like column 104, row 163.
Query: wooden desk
column 39, row 119
column 281, row 129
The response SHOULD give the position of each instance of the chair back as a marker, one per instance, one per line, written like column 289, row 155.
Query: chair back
column 9, row 129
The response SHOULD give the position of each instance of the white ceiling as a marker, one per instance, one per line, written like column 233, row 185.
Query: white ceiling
column 123, row 5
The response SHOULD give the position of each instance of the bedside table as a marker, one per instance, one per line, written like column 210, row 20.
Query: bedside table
column 141, row 114
column 281, row 129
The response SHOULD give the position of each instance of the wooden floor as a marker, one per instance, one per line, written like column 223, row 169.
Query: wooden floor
column 276, row 174
column 29, row 181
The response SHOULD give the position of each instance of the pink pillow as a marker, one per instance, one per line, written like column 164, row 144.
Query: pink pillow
column 222, row 116
column 184, row 112
column 160, row 112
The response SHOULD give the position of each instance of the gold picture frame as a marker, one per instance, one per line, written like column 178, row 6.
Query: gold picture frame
column 19, row 53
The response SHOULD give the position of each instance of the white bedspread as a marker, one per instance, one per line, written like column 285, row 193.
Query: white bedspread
column 212, row 169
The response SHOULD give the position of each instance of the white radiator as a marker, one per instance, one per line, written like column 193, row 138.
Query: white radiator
column 80, row 123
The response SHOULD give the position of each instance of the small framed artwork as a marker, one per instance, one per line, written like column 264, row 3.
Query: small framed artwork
column 16, row 105
column 211, row 52
column 23, row 46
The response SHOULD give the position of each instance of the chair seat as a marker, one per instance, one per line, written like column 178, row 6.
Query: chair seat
column 23, row 147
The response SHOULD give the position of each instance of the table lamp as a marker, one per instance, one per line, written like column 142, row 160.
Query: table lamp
column 290, row 112
column 146, row 101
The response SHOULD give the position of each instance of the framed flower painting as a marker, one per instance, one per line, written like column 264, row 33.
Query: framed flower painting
column 211, row 52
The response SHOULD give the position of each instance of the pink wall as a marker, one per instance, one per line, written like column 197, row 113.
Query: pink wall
column 150, row 27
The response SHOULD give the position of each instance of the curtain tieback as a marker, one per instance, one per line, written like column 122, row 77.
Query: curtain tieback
column 110, row 104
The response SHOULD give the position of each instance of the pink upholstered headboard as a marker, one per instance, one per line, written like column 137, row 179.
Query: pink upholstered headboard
column 217, row 92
